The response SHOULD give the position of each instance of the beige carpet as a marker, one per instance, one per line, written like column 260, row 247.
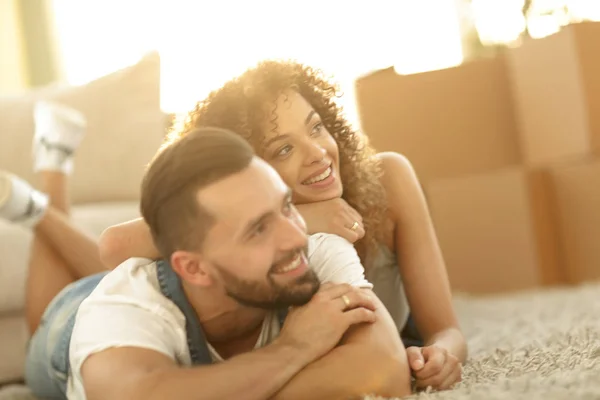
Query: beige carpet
column 534, row 346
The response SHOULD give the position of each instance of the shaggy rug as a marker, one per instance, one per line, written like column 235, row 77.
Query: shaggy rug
column 531, row 345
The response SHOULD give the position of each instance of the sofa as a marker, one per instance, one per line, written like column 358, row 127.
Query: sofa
column 125, row 128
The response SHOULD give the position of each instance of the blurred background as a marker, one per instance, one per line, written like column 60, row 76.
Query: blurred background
column 496, row 103
column 202, row 43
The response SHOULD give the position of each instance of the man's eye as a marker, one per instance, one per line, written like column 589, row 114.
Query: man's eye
column 287, row 208
column 259, row 230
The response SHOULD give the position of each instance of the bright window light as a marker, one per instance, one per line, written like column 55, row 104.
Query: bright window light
column 589, row 9
column 428, row 36
column 498, row 21
column 354, row 38
column 204, row 43
column 96, row 37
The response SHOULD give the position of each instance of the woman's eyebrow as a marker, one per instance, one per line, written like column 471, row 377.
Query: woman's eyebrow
column 275, row 139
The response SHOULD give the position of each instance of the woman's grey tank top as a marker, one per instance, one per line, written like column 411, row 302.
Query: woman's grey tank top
column 384, row 274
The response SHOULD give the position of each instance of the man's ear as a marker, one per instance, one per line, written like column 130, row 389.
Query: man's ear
column 191, row 267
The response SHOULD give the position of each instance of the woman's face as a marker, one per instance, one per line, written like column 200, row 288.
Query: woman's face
column 302, row 150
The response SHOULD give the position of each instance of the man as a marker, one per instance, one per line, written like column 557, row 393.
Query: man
column 215, row 321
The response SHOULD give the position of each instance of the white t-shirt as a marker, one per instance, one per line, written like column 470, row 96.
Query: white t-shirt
column 127, row 309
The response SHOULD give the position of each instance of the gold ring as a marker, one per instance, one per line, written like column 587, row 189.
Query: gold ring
column 346, row 300
column 354, row 226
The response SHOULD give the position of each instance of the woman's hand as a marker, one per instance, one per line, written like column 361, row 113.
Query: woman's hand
column 333, row 216
column 434, row 366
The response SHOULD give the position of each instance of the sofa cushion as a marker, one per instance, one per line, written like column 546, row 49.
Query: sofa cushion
column 15, row 243
column 13, row 344
column 125, row 128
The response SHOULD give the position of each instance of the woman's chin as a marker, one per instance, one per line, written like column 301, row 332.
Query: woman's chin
column 307, row 196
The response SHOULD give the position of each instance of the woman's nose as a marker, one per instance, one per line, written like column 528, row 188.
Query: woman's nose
column 315, row 153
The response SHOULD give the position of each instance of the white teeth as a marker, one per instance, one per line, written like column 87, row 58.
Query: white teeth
column 319, row 177
column 291, row 266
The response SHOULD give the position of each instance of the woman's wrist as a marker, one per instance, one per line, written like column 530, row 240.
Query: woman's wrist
column 453, row 341
column 304, row 210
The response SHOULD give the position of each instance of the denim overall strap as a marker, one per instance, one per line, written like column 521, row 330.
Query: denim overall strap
column 170, row 286
column 281, row 314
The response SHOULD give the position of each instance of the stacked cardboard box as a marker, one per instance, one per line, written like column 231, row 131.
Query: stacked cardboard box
column 556, row 91
column 577, row 190
column 450, row 122
column 506, row 151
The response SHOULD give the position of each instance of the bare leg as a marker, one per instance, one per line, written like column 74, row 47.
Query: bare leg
column 48, row 272
column 61, row 253
column 55, row 185
column 76, row 247
column 47, row 276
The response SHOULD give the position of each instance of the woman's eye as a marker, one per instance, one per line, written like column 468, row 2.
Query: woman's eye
column 317, row 128
column 284, row 151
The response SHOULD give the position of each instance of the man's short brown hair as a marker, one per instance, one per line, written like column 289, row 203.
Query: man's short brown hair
column 169, row 201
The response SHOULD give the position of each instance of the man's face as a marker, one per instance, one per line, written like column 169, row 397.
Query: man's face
column 256, row 249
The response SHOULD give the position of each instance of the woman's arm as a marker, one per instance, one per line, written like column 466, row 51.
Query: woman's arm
column 420, row 258
column 333, row 216
column 130, row 239
column 133, row 239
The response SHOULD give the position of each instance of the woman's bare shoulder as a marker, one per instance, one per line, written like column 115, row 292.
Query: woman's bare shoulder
column 395, row 165
column 401, row 184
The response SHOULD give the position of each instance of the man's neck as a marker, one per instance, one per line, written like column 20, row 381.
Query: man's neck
column 223, row 319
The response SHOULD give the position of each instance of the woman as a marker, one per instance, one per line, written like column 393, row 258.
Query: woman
column 287, row 111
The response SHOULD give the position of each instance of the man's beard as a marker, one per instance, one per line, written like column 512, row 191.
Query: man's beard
column 268, row 294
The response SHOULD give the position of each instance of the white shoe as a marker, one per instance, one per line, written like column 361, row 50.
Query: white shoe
column 19, row 202
column 58, row 132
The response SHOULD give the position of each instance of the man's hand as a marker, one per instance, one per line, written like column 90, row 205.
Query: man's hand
column 434, row 366
column 318, row 326
column 333, row 216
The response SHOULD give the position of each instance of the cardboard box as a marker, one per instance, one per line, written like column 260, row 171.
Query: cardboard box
column 497, row 230
column 449, row 123
column 556, row 89
column 577, row 189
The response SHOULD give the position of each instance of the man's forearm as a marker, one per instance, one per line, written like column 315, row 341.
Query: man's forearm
column 349, row 371
column 371, row 359
column 256, row 375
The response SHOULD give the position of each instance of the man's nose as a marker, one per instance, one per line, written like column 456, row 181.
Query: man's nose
column 292, row 234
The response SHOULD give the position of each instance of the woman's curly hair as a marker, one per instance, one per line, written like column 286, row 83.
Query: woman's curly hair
column 240, row 106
